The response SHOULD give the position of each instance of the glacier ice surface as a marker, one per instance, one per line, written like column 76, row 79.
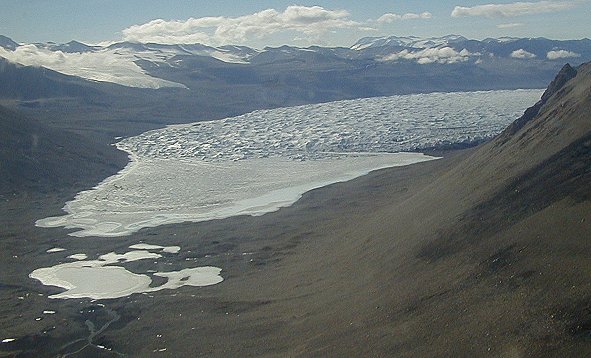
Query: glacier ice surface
column 260, row 161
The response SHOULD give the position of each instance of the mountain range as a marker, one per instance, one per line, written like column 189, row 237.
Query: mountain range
column 483, row 252
column 147, row 85
column 151, row 65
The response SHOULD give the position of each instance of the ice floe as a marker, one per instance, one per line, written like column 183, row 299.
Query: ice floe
column 55, row 249
column 199, row 276
column 168, row 249
column 135, row 255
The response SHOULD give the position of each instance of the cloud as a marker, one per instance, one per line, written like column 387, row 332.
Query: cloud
column 99, row 66
column 390, row 17
column 522, row 54
column 443, row 55
column 161, row 31
column 509, row 26
column 512, row 9
column 557, row 54
column 310, row 21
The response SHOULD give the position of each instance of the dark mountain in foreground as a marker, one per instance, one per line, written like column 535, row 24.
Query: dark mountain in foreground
column 490, row 255
column 566, row 74
column 27, row 83
column 38, row 158
column 507, row 244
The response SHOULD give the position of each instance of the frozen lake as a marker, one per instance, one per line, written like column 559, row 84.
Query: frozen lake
column 104, row 278
column 261, row 161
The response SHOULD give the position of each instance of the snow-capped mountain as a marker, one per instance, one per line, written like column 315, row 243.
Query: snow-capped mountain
column 373, row 66
column 505, row 47
column 7, row 43
column 161, row 52
column 407, row 42
column 73, row 47
column 119, row 62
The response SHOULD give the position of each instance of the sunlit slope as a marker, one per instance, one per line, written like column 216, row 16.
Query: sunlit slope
column 489, row 253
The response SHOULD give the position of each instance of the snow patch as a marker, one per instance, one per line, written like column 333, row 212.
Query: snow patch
column 167, row 249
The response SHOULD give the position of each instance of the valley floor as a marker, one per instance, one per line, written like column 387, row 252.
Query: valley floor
column 401, row 262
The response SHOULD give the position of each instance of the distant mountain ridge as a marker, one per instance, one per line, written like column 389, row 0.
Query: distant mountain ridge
column 363, row 48
column 500, row 47
column 74, row 47
column 158, row 84
column 113, row 62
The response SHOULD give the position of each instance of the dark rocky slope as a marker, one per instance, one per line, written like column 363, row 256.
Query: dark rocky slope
column 36, row 158
column 485, row 252
column 28, row 82
column 494, row 255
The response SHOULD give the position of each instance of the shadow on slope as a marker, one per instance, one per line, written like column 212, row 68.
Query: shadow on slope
column 37, row 158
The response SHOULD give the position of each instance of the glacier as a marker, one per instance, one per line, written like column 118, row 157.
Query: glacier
column 263, row 160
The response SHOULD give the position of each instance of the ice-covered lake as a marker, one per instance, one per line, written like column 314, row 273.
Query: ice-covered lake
column 105, row 278
column 260, row 161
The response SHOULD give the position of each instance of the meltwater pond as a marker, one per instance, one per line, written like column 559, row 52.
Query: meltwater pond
column 255, row 163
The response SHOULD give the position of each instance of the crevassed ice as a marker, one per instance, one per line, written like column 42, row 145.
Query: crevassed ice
column 383, row 124
column 260, row 161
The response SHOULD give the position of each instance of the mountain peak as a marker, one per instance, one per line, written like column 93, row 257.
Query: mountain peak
column 8, row 43
column 73, row 47
column 566, row 74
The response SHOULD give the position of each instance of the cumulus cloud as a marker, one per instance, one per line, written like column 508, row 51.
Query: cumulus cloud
column 443, row 55
column 512, row 9
column 522, row 54
column 310, row 21
column 99, row 66
column 557, row 54
column 390, row 17
column 510, row 25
